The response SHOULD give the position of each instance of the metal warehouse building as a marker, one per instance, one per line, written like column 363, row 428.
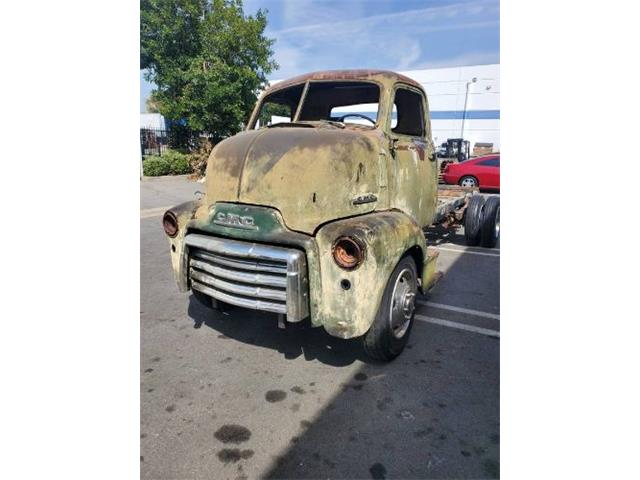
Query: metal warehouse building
column 464, row 102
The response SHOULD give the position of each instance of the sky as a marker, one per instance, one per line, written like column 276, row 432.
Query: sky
column 387, row 34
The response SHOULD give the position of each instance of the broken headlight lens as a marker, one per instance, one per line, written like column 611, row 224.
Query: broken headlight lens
column 348, row 252
column 170, row 223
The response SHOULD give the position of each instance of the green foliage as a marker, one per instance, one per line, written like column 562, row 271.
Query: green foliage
column 207, row 59
column 152, row 104
column 270, row 109
column 171, row 163
column 198, row 158
column 155, row 166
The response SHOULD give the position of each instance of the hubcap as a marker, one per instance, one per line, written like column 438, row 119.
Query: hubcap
column 468, row 182
column 403, row 303
column 498, row 223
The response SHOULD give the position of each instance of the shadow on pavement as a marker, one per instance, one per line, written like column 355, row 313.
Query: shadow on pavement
column 438, row 235
column 260, row 328
column 431, row 413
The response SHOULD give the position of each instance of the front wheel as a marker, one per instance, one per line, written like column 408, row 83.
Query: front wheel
column 390, row 330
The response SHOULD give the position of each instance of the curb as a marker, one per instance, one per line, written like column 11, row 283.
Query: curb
column 165, row 177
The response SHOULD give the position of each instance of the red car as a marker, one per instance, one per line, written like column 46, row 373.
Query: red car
column 483, row 172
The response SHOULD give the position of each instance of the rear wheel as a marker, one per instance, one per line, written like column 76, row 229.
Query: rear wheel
column 473, row 220
column 390, row 330
column 468, row 181
column 490, row 229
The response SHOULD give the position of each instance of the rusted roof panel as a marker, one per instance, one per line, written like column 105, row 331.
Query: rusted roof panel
column 383, row 76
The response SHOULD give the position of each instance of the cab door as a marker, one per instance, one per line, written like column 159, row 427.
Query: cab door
column 414, row 161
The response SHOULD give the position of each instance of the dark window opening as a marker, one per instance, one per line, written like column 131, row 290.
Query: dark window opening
column 410, row 113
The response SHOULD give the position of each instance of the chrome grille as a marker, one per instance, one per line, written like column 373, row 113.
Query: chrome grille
column 250, row 275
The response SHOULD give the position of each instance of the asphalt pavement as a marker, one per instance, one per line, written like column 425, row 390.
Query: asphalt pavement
column 229, row 395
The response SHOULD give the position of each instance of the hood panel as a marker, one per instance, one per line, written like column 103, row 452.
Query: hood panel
column 311, row 175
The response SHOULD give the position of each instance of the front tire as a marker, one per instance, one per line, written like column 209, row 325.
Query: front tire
column 391, row 328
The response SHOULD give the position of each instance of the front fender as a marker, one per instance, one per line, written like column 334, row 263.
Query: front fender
column 387, row 236
column 185, row 213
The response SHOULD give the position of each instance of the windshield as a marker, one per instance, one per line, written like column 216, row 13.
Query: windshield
column 346, row 102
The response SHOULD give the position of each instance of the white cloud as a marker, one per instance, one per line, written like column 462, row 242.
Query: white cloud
column 420, row 18
column 472, row 58
column 312, row 39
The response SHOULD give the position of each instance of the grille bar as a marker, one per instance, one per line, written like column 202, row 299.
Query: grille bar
column 250, row 275
column 245, row 290
column 239, row 301
column 245, row 277
column 261, row 265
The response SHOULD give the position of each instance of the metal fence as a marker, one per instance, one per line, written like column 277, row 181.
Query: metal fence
column 153, row 141
column 157, row 141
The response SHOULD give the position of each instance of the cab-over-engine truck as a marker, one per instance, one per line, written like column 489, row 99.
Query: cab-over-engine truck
column 320, row 217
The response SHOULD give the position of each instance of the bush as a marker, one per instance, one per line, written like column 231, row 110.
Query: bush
column 171, row 163
column 178, row 162
column 156, row 166
column 198, row 159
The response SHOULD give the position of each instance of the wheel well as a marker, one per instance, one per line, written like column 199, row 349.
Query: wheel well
column 416, row 253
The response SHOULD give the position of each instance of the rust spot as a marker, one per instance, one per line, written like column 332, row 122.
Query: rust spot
column 362, row 74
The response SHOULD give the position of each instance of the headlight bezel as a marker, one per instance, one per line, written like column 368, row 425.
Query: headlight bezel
column 170, row 224
column 348, row 252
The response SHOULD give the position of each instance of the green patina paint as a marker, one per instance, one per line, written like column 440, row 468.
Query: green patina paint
column 265, row 220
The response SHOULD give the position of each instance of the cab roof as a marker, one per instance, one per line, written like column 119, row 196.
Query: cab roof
column 382, row 76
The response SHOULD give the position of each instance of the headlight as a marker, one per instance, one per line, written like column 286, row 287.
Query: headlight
column 348, row 253
column 170, row 223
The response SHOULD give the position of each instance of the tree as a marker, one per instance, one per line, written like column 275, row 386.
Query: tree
column 208, row 60
column 152, row 103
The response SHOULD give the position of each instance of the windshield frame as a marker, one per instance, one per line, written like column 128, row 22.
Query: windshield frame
column 379, row 114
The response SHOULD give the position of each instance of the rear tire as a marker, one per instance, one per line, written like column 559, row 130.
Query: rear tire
column 468, row 181
column 391, row 328
column 473, row 220
column 490, row 230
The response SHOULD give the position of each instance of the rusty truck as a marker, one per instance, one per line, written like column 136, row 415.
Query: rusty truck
column 316, row 211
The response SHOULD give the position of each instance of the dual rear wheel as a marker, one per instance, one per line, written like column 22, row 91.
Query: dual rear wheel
column 482, row 221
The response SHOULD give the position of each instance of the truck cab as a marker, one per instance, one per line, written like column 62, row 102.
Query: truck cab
column 316, row 210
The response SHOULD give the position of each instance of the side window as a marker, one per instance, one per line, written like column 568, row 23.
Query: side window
column 491, row 162
column 408, row 111
column 279, row 107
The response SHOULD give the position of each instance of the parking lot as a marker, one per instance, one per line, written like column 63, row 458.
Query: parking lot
column 229, row 395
